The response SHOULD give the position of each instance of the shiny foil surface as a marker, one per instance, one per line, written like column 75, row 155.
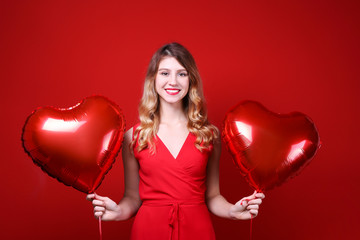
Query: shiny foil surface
column 75, row 145
column 268, row 148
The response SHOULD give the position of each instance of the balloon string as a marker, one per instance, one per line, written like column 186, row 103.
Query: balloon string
column 251, row 221
column 100, row 231
column 251, row 218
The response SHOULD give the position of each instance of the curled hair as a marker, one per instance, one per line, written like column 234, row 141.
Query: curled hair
column 193, row 102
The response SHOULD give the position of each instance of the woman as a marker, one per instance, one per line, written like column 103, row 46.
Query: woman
column 171, row 166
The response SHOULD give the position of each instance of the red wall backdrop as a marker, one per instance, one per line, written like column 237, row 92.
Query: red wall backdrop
column 289, row 55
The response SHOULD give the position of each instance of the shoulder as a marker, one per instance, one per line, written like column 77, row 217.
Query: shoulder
column 217, row 137
column 215, row 128
column 128, row 136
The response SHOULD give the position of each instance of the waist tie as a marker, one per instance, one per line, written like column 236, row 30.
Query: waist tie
column 174, row 213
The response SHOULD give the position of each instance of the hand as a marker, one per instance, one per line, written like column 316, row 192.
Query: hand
column 247, row 207
column 104, row 207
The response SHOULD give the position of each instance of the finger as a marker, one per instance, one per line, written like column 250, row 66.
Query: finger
column 99, row 209
column 90, row 197
column 98, row 214
column 98, row 203
column 257, row 201
column 98, row 197
column 238, row 208
column 242, row 204
column 248, row 198
column 260, row 195
column 254, row 212
column 256, row 207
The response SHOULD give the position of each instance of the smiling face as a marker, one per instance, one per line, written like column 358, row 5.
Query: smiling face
column 172, row 80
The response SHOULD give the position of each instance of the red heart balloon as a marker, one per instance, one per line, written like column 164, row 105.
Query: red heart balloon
column 268, row 148
column 76, row 145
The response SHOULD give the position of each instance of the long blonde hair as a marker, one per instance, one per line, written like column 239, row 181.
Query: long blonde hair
column 193, row 102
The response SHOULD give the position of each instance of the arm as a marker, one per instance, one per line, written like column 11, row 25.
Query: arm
column 244, row 209
column 130, row 203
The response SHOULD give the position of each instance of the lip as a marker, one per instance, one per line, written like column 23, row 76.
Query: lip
column 172, row 91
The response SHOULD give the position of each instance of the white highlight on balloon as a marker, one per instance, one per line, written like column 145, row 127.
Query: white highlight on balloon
column 296, row 150
column 56, row 125
column 106, row 140
column 245, row 130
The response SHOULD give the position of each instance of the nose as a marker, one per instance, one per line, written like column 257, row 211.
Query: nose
column 173, row 79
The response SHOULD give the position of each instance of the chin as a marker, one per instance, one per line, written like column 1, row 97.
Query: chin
column 173, row 101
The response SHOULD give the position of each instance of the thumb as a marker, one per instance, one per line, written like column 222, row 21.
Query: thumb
column 242, row 204
column 107, row 201
column 98, row 197
column 90, row 197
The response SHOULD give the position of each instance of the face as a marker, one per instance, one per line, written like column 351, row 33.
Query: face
column 172, row 80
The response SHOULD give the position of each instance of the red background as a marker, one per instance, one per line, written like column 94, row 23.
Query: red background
column 289, row 55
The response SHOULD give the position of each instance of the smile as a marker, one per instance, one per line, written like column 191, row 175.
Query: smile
column 172, row 91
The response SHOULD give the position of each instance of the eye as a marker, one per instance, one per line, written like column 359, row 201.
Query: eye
column 164, row 73
column 183, row 74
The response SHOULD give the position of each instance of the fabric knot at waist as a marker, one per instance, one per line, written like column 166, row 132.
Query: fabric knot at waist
column 174, row 212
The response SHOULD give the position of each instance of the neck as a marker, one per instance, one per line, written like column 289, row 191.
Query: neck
column 172, row 113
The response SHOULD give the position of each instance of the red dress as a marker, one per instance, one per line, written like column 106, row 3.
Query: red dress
column 172, row 191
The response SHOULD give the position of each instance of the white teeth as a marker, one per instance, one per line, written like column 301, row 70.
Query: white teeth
column 172, row 91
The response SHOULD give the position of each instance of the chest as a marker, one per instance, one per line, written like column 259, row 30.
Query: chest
column 173, row 140
column 189, row 162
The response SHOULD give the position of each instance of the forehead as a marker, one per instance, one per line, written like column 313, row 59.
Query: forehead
column 170, row 63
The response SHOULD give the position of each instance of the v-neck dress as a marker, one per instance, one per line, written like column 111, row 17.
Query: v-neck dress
column 172, row 191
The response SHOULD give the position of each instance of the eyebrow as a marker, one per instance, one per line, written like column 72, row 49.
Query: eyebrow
column 183, row 69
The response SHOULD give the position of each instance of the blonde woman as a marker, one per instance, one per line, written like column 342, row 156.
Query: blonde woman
column 171, row 159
